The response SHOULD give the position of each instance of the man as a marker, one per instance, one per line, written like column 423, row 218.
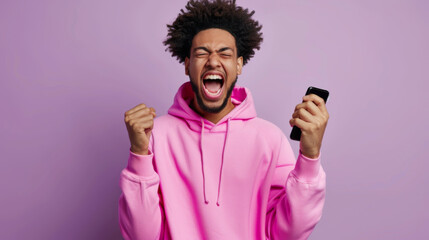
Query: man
column 211, row 169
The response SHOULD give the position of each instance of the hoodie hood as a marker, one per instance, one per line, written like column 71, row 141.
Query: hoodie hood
column 243, row 110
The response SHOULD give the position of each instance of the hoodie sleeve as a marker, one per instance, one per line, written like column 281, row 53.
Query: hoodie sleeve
column 296, row 196
column 140, row 210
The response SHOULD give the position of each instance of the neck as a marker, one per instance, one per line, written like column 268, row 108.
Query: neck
column 212, row 117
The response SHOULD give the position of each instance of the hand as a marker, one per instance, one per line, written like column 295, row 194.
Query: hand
column 139, row 122
column 311, row 116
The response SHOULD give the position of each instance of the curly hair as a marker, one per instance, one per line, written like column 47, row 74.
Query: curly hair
column 204, row 14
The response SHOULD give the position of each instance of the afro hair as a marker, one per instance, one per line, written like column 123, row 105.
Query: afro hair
column 205, row 14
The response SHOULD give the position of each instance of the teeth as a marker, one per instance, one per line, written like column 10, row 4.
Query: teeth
column 213, row 77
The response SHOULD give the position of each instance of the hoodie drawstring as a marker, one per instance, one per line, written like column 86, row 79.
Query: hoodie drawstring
column 202, row 162
column 221, row 165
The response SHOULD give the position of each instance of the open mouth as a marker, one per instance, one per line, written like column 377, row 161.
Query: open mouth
column 213, row 85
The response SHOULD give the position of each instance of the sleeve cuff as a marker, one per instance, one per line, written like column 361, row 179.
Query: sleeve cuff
column 141, row 165
column 307, row 169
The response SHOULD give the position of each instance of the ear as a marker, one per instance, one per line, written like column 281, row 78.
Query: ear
column 187, row 66
column 239, row 65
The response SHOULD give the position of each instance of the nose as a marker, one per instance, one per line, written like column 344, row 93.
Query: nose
column 213, row 60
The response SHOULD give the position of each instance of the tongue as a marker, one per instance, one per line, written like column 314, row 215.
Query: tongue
column 212, row 86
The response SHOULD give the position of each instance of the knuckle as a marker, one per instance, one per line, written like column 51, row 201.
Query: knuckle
column 316, row 97
column 317, row 125
column 313, row 104
column 324, row 119
column 138, row 128
column 132, row 123
column 146, row 110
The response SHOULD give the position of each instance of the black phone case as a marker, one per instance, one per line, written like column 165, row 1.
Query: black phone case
column 295, row 134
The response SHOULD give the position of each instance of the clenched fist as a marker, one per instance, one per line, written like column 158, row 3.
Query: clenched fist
column 311, row 116
column 139, row 122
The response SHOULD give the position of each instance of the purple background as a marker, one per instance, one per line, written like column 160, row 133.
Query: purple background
column 70, row 69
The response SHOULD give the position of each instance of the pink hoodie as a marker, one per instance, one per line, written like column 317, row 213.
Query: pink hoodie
column 236, row 179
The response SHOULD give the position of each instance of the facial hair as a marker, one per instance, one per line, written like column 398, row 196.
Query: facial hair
column 206, row 108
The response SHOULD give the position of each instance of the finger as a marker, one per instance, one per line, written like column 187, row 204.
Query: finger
column 148, row 125
column 136, row 108
column 303, row 125
column 298, row 106
column 142, row 128
column 145, row 118
column 153, row 111
column 310, row 107
column 303, row 114
column 313, row 109
column 320, row 103
column 139, row 114
column 137, row 124
column 313, row 97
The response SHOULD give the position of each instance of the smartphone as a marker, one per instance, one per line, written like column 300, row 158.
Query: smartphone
column 295, row 134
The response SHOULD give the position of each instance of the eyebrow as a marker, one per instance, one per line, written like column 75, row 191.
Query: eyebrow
column 220, row 50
